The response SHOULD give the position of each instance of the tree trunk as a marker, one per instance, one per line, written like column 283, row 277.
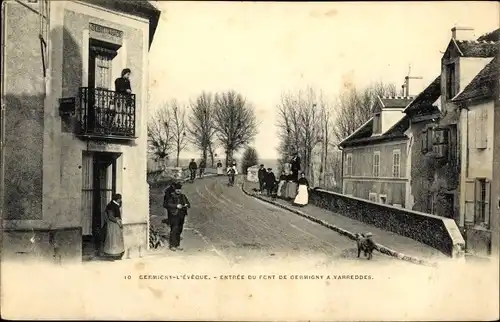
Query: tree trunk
column 177, row 159
column 211, row 151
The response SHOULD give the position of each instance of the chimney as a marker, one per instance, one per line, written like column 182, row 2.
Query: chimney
column 418, row 88
column 463, row 33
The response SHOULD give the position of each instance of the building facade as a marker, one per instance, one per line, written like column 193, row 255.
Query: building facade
column 375, row 155
column 478, row 102
column 71, row 141
column 452, row 126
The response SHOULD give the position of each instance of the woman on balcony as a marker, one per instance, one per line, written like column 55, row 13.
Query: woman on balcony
column 123, row 103
column 122, row 84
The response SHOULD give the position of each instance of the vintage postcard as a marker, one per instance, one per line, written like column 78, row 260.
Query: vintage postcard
column 250, row 161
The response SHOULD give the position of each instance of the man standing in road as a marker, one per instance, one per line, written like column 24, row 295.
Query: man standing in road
column 177, row 207
column 202, row 167
column 262, row 177
column 192, row 168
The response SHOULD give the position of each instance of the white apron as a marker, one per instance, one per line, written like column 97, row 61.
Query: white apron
column 220, row 171
column 302, row 196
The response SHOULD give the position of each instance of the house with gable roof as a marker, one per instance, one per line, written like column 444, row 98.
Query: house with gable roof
column 452, row 129
column 375, row 155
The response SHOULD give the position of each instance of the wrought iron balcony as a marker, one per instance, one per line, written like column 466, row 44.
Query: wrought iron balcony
column 106, row 114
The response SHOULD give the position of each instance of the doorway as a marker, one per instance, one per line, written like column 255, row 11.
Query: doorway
column 99, row 184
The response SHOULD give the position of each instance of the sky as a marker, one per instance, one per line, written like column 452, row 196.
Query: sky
column 262, row 50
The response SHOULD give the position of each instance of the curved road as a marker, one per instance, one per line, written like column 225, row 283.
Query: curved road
column 237, row 226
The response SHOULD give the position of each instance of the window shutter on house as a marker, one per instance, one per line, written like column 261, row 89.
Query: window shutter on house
column 424, row 141
column 470, row 194
column 487, row 202
column 483, row 138
column 477, row 199
column 430, row 138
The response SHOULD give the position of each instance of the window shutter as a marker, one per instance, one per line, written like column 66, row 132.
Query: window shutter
column 477, row 129
column 470, row 194
column 487, row 202
column 477, row 200
column 483, row 129
column 424, row 141
column 430, row 136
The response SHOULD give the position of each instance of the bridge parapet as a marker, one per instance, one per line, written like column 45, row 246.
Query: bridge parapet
column 438, row 232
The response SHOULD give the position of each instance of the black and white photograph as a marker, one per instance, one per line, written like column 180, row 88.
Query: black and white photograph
column 250, row 160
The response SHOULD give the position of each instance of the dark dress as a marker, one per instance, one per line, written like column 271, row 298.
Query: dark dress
column 122, row 84
column 261, row 174
column 176, row 217
column 270, row 182
column 113, row 244
column 295, row 166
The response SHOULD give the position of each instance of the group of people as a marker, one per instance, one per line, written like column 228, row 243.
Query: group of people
column 290, row 185
column 193, row 167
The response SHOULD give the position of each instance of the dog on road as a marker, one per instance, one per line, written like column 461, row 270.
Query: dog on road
column 365, row 244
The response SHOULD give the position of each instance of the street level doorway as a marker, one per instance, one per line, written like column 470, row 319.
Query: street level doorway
column 98, row 185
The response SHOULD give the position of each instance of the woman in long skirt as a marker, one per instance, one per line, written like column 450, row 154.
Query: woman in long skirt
column 219, row 168
column 281, row 185
column 114, row 247
column 291, row 187
column 302, row 197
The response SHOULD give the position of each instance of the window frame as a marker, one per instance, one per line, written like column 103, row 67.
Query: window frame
column 451, row 80
column 349, row 164
column 398, row 153
column 376, row 155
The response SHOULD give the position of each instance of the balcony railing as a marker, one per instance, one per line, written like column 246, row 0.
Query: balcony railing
column 106, row 114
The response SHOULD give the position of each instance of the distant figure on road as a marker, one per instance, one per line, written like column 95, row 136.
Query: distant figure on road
column 261, row 174
column 282, row 185
column 232, row 172
column 270, row 181
column 192, row 168
column 302, row 197
column 220, row 171
column 295, row 166
column 202, row 167
column 114, row 247
column 177, row 211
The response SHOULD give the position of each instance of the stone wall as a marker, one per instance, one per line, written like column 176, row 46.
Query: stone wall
column 438, row 232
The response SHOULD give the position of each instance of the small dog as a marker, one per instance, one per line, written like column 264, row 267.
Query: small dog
column 365, row 244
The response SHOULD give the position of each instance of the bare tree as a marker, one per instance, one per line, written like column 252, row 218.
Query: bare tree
column 201, row 126
column 300, row 126
column 354, row 108
column 179, row 128
column 235, row 122
column 160, row 135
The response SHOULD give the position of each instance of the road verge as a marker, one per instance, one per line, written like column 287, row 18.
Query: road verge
column 381, row 248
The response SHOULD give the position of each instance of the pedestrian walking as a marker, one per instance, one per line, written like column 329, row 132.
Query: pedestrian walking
column 177, row 207
column 302, row 197
column 220, row 171
column 192, row 169
column 202, row 167
column 114, row 247
column 261, row 174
